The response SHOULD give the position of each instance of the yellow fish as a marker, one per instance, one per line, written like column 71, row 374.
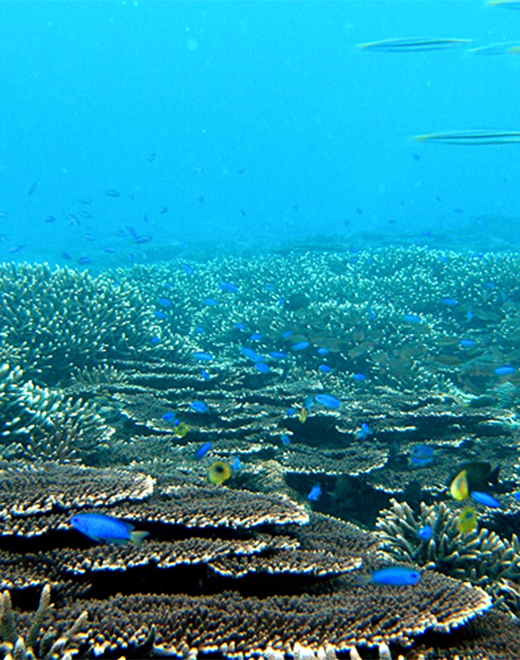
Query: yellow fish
column 181, row 430
column 459, row 487
column 304, row 413
column 467, row 521
column 219, row 472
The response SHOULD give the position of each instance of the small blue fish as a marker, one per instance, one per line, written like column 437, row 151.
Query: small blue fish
column 286, row 439
column 109, row 250
column 372, row 313
column 165, row 302
column 229, row 286
column 236, row 464
column 517, row 495
column 323, row 351
column 205, row 374
column 325, row 369
column 199, row 406
column 263, row 367
column 241, row 326
column 210, row 302
column 412, row 318
column 467, row 343
column 309, row 402
column 188, row 269
column 251, row 354
column 203, row 356
column 328, row 401
column 277, row 355
column 422, row 455
column 200, row 330
column 504, row 371
column 256, row 336
column 160, row 315
column 426, row 533
column 291, row 412
column 359, row 377
column 485, row 499
column 395, row 576
column 301, row 345
column 169, row 417
column 315, row 493
column 155, row 340
column 450, row 302
column 287, row 334
column 364, row 431
column 203, row 450
column 100, row 527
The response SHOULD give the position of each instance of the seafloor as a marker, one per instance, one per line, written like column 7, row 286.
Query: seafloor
column 113, row 385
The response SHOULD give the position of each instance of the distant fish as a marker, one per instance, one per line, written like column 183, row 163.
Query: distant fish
column 109, row 250
column 151, row 157
column 165, row 302
column 323, row 351
column 83, row 261
column 15, row 248
column 144, row 238
column 426, row 533
column 199, row 406
column 278, row 355
column 286, row 440
column 450, row 302
column 112, row 193
column 467, row 520
column 412, row 318
column 73, row 219
column 467, row 343
column 65, row 255
column 203, row 356
column 219, row 472
column 504, row 371
column 169, row 417
column 499, row 48
column 85, row 200
column 315, row 493
column 422, row 455
column 160, row 315
column 205, row 374
column 203, row 450
column 478, row 137
column 251, row 354
column 398, row 576
column 486, row 499
column 505, row 4
column 328, row 401
column 414, row 45
column 364, row 432
column 256, row 336
column 300, row 346
column 188, row 269
column 263, row 367
column 325, row 369
column 33, row 188
column 50, row 218
column 240, row 326
column 85, row 214
column 229, row 287
column 210, row 302
column 100, row 527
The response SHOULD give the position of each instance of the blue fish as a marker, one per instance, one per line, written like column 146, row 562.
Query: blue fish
column 263, row 367
column 210, row 302
column 364, row 431
column 155, row 340
column 359, row 377
column 395, row 576
column 315, row 493
column 169, row 417
column 256, row 336
column 165, row 302
column 517, row 495
column 241, row 326
column 309, row 402
column 412, row 318
column 251, row 354
column 287, row 334
column 485, row 499
column 328, row 401
column 450, row 302
column 504, row 371
column 422, row 455
column 325, row 369
column 188, row 269
column 286, row 439
column 199, row 406
column 204, row 357
column 100, row 527
column 203, row 450
column 205, row 374
column 277, row 355
column 291, row 411
column 200, row 330
column 236, row 464
column 467, row 343
column 323, row 351
column 161, row 315
column 229, row 286
column 426, row 533
column 301, row 345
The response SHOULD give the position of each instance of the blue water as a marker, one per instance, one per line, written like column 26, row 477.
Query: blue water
column 250, row 125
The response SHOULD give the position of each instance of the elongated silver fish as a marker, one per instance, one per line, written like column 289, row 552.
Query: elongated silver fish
column 479, row 137
column 499, row 48
column 416, row 44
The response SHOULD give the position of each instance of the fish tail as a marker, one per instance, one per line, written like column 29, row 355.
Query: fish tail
column 137, row 537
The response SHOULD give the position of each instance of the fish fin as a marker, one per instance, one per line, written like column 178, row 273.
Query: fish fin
column 117, row 541
column 363, row 580
column 493, row 477
column 137, row 537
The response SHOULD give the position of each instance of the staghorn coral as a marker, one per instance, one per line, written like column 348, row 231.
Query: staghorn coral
column 62, row 319
column 481, row 557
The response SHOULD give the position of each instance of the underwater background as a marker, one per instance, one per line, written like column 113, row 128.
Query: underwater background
column 259, row 330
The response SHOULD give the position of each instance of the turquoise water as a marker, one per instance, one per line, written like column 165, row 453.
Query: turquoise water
column 260, row 299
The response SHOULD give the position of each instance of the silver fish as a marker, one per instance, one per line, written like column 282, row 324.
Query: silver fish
column 478, row 137
column 417, row 44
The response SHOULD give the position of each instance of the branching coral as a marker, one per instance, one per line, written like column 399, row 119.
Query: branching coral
column 481, row 557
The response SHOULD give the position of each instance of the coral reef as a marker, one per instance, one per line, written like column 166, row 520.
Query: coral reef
column 481, row 557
